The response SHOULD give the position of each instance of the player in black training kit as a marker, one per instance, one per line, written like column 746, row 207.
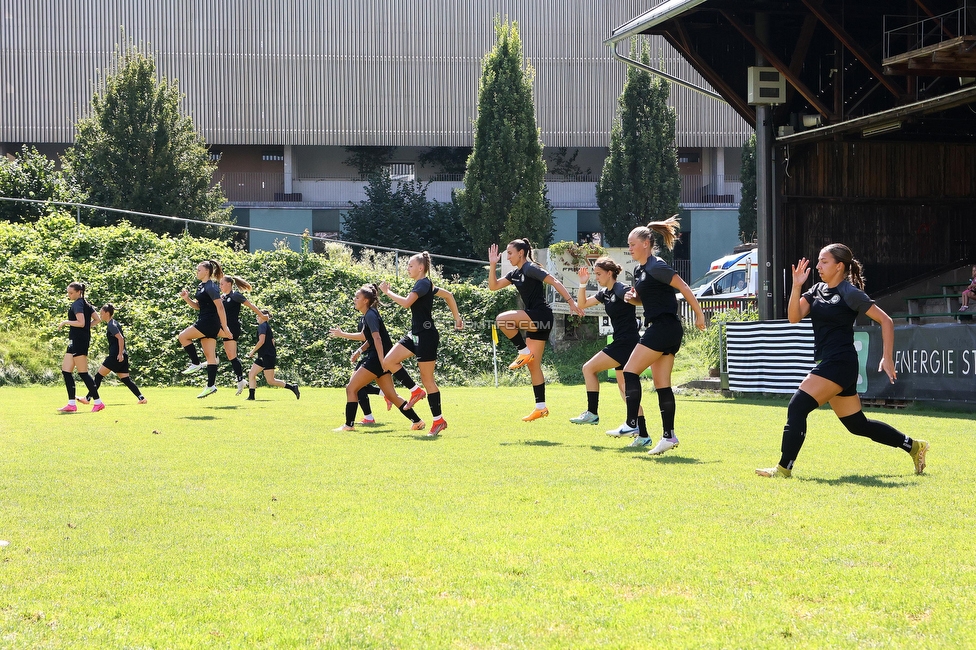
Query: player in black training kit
column 422, row 339
column 376, row 344
column 81, row 314
column 623, row 319
column 833, row 305
column 233, row 299
column 117, row 360
column 267, row 358
column 211, row 323
column 537, row 318
column 654, row 286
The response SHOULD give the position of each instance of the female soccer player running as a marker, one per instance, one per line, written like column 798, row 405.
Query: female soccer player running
column 117, row 360
column 211, row 323
column 376, row 344
column 623, row 318
column 81, row 314
column 654, row 286
column 833, row 304
column 422, row 339
column 537, row 318
column 267, row 358
column 233, row 299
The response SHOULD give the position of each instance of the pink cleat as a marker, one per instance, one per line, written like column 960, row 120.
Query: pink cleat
column 97, row 408
column 415, row 396
column 68, row 408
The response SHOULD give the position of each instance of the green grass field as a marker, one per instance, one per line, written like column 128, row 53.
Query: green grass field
column 224, row 523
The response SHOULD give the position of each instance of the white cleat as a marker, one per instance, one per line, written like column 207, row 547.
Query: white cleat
column 665, row 444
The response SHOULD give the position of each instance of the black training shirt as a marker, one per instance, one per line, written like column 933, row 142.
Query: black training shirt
column 267, row 348
column 833, row 312
column 652, row 281
column 232, row 307
column 530, row 281
column 372, row 322
column 623, row 315
column 206, row 294
column 111, row 329
column 420, row 310
column 80, row 306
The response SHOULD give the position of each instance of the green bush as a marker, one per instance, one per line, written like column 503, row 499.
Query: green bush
column 142, row 274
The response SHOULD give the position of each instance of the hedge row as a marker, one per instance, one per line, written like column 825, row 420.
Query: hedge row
column 142, row 274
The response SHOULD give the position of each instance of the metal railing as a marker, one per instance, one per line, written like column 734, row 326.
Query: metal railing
column 712, row 190
column 712, row 306
column 305, row 236
column 904, row 34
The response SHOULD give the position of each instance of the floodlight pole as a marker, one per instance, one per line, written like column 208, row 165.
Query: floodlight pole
column 766, row 290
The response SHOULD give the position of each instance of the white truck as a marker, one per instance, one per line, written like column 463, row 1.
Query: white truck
column 732, row 276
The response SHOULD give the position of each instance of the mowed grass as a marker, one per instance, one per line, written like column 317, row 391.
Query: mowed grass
column 224, row 523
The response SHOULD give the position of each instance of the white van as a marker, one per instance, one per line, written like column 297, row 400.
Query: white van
column 732, row 276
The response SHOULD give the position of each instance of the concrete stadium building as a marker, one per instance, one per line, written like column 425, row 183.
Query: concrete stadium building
column 280, row 90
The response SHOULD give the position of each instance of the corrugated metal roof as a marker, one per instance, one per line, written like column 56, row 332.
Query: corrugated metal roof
column 659, row 14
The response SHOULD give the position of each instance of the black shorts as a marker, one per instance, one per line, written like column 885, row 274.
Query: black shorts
column 374, row 364
column 78, row 347
column 235, row 332
column 266, row 361
column 423, row 345
column 840, row 370
column 209, row 328
column 543, row 319
column 663, row 334
column 116, row 366
column 620, row 350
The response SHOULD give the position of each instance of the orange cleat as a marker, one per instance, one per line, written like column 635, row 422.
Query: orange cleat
column 536, row 414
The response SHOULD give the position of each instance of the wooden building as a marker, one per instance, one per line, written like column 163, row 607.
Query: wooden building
column 873, row 141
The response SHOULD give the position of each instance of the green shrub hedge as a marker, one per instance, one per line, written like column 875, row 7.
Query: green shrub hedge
column 143, row 273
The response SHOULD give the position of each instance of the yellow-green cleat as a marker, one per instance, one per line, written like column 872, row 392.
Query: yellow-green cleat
column 775, row 472
column 919, row 449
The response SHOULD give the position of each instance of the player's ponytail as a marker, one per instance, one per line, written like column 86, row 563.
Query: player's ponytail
column 372, row 294
column 523, row 245
column 668, row 230
column 423, row 258
column 608, row 265
column 109, row 308
column 240, row 283
column 843, row 255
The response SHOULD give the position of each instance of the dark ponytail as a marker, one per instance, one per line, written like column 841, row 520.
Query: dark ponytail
column 608, row 265
column 523, row 245
column 372, row 293
column 844, row 256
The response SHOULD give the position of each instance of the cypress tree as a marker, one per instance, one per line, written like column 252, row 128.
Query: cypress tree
column 747, row 206
column 640, row 181
column 504, row 194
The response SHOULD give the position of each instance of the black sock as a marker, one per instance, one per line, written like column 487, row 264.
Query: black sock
column 403, row 377
column 372, row 389
column 434, row 400
column 191, row 351
column 131, row 385
column 98, row 382
column 350, row 413
column 795, row 431
column 880, row 432
column 518, row 341
column 250, row 393
column 665, row 400
column 90, row 384
column 363, row 396
column 211, row 374
column 632, row 393
column 540, row 392
column 642, row 427
column 235, row 363
column 410, row 414
column 69, row 383
column 592, row 401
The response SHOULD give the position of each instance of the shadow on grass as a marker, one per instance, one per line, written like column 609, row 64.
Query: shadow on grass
column 866, row 481
column 199, row 417
column 232, row 407
column 678, row 460
column 532, row 443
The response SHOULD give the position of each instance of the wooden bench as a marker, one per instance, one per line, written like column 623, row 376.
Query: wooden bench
column 949, row 314
column 914, row 306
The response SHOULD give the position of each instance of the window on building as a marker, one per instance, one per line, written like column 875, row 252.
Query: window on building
column 402, row 171
column 214, row 155
column 273, row 155
column 688, row 157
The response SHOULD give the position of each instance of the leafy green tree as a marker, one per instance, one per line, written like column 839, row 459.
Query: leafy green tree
column 504, row 194
column 136, row 151
column 747, row 206
column 31, row 175
column 401, row 216
column 640, row 180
